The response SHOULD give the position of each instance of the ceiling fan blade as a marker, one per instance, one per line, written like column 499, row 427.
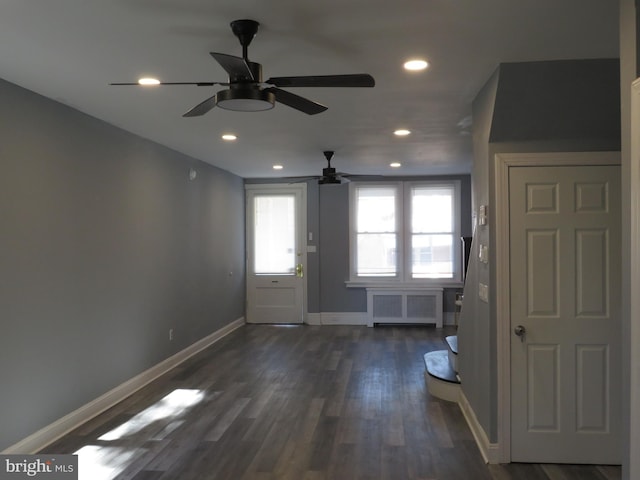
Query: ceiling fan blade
column 296, row 101
column 357, row 176
column 300, row 179
column 198, row 84
column 201, row 108
column 236, row 67
column 351, row 80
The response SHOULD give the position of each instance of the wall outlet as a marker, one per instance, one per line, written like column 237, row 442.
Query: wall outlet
column 171, row 334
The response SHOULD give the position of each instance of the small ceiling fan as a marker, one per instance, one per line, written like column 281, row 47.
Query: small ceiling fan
column 329, row 175
column 247, row 92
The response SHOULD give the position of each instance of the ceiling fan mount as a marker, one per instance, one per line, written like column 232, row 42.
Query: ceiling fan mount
column 247, row 92
column 245, row 30
column 329, row 174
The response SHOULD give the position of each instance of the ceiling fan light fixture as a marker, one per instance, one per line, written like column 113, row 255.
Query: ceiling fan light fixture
column 245, row 100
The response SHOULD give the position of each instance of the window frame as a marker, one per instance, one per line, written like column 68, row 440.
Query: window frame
column 404, row 235
column 353, row 232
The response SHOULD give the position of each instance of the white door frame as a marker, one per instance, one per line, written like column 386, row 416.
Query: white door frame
column 502, row 163
column 634, row 320
column 301, row 189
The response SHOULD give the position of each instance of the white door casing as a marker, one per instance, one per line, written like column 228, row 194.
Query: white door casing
column 276, row 253
column 565, row 297
column 503, row 163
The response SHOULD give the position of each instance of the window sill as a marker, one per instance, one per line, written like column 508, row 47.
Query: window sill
column 403, row 285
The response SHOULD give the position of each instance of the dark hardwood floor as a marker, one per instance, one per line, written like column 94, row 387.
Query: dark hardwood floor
column 296, row 403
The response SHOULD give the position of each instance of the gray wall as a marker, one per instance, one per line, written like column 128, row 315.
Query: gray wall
column 105, row 245
column 526, row 107
column 578, row 92
column 476, row 342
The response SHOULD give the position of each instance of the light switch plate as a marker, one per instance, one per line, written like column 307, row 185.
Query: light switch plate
column 482, row 215
column 483, row 292
column 483, row 253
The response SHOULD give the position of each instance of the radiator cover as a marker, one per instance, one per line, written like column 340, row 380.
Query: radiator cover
column 410, row 306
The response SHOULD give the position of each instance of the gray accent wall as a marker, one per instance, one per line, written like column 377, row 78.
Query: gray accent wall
column 476, row 335
column 556, row 106
column 334, row 253
column 105, row 245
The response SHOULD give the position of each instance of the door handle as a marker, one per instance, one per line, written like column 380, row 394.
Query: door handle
column 299, row 270
column 520, row 331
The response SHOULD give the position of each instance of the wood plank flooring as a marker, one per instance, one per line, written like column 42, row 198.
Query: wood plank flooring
column 296, row 403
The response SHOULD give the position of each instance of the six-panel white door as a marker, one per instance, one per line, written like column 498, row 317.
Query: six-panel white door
column 565, row 314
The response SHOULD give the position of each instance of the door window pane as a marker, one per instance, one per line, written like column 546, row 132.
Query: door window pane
column 274, row 234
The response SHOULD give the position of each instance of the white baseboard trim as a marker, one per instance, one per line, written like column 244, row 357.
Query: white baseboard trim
column 52, row 432
column 313, row 319
column 337, row 318
column 343, row 318
column 490, row 451
column 356, row 318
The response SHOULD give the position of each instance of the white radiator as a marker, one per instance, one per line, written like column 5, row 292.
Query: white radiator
column 416, row 305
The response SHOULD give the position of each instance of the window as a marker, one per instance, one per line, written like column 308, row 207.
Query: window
column 405, row 232
column 432, row 231
column 376, row 231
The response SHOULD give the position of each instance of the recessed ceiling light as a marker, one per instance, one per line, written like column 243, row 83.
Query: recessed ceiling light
column 148, row 81
column 415, row 65
column 278, row 167
column 395, row 165
column 229, row 137
column 402, row 132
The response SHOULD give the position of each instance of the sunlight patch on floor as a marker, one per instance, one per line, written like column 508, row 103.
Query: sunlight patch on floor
column 105, row 462
column 170, row 407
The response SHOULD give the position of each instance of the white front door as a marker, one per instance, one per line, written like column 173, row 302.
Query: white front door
column 565, row 314
column 276, row 253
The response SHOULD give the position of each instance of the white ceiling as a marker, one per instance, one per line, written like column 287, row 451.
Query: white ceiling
column 70, row 50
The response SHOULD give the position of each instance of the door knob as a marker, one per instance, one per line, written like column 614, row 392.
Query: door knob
column 520, row 332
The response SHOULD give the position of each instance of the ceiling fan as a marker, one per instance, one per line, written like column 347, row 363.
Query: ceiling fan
column 329, row 175
column 247, row 92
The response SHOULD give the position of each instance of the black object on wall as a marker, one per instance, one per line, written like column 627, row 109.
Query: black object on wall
column 466, row 252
